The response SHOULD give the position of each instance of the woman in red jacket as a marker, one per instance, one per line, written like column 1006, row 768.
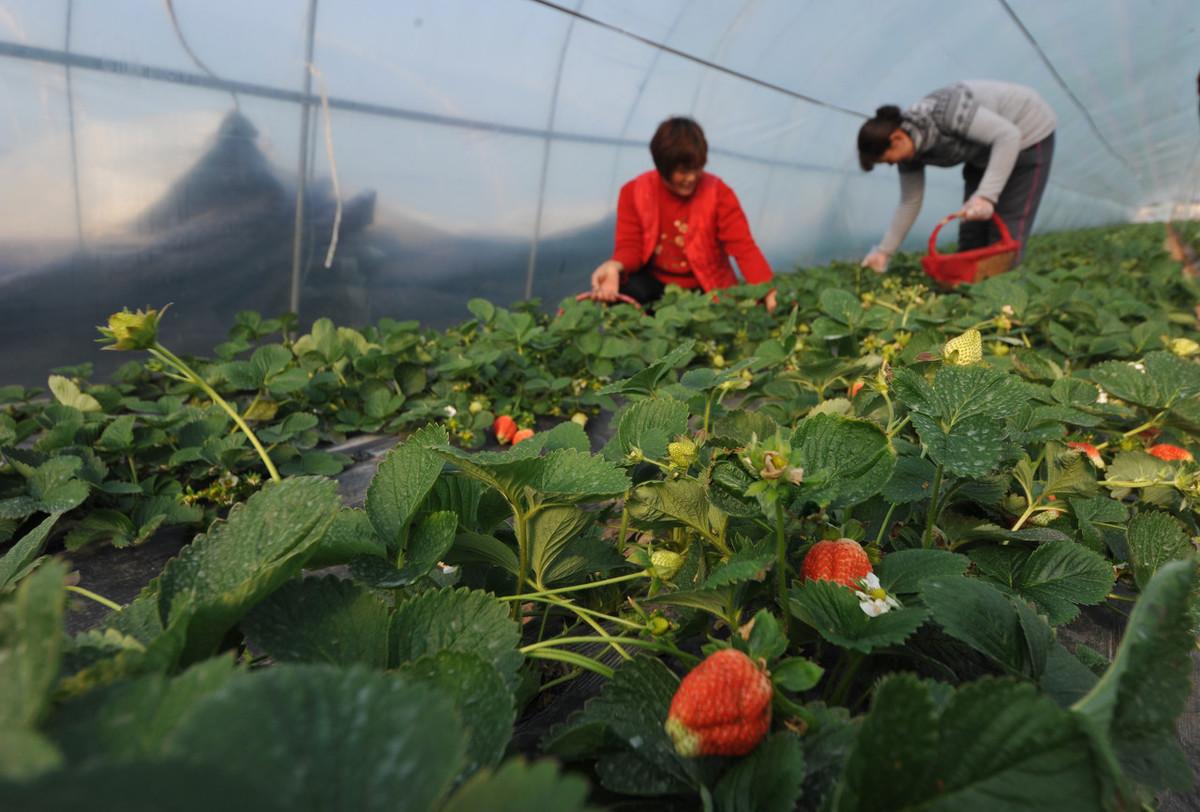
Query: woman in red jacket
column 679, row 225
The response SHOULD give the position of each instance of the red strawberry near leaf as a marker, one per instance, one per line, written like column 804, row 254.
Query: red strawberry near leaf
column 842, row 561
column 1170, row 453
column 1090, row 451
column 523, row 434
column 722, row 707
column 504, row 427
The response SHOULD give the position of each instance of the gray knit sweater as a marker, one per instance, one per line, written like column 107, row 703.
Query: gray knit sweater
column 980, row 122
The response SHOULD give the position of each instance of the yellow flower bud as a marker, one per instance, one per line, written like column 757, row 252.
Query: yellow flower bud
column 132, row 331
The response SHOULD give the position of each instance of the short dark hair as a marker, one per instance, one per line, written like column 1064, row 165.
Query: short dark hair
column 678, row 143
column 875, row 135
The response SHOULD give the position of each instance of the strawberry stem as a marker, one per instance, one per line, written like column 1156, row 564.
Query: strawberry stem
column 167, row 357
column 781, row 560
column 578, row 660
column 578, row 587
column 927, row 536
column 100, row 599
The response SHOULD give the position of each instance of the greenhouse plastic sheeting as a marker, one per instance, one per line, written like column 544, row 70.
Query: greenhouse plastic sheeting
column 183, row 152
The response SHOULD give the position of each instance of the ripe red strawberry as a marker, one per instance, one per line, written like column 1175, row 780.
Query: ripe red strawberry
column 722, row 707
column 843, row 561
column 855, row 388
column 1170, row 453
column 523, row 434
column 1090, row 451
column 504, row 427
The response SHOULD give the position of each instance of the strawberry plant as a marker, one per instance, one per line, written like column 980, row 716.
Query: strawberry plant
column 821, row 560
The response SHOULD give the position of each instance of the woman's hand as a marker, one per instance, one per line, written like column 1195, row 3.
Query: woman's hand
column 978, row 208
column 769, row 301
column 606, row 281
column 877, row 261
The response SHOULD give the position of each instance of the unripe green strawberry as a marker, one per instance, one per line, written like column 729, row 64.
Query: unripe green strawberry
column 722, row 707
column 682, row 452
column 842, row 561
column 580, row 419
column 658, row 625
column 665, row 563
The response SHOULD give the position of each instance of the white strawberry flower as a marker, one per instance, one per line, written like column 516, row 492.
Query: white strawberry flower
column 873, row 599
column 451, row 411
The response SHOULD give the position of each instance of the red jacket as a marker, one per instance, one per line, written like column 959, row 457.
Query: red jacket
column 717, row 230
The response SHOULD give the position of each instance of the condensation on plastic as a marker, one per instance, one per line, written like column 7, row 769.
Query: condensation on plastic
column 494, row 127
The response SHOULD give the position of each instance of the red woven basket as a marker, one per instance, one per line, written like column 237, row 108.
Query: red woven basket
column 951, row 270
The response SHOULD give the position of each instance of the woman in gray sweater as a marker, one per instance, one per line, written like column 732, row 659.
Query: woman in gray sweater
column 1002, row 133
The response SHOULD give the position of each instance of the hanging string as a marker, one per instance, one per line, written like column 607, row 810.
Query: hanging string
column 337, row 187
column 170, row 4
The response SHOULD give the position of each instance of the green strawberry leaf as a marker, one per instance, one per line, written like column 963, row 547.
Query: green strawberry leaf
column 322, row 738
column 117, row 436
column 845, row 461
column 137, row 786
column 911, row 480
column 1155, row 538
column 1061, row 576
column 484, row 702
column 972, row 446
column 1132, row 709
column 261, row 545
column 68, row 394
column 632, row 707
column 24, row 755
column 881, row 774
column 738, row 428
column 1101, row 522
column 647, row 425
column 350, row 536
column 680, row 500
column 902, row 572
column 134, row 718
column 321, row 620
column 767, row 780
column 404, row 478
column 513, row 786
column 457, row 620
column 22, row 557
column 550, row 529
column 31, row 646
column 990, row 622
column 797, row 674
column 833, row 610
column 996, row 745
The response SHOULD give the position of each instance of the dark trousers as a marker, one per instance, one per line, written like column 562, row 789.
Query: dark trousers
column 1019, row 199
column 643, row 286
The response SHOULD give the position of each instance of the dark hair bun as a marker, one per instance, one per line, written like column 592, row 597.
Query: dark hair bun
column 889, row 112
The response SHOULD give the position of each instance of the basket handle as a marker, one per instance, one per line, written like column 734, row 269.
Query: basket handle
column 588, row 295
column 1005, row 235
